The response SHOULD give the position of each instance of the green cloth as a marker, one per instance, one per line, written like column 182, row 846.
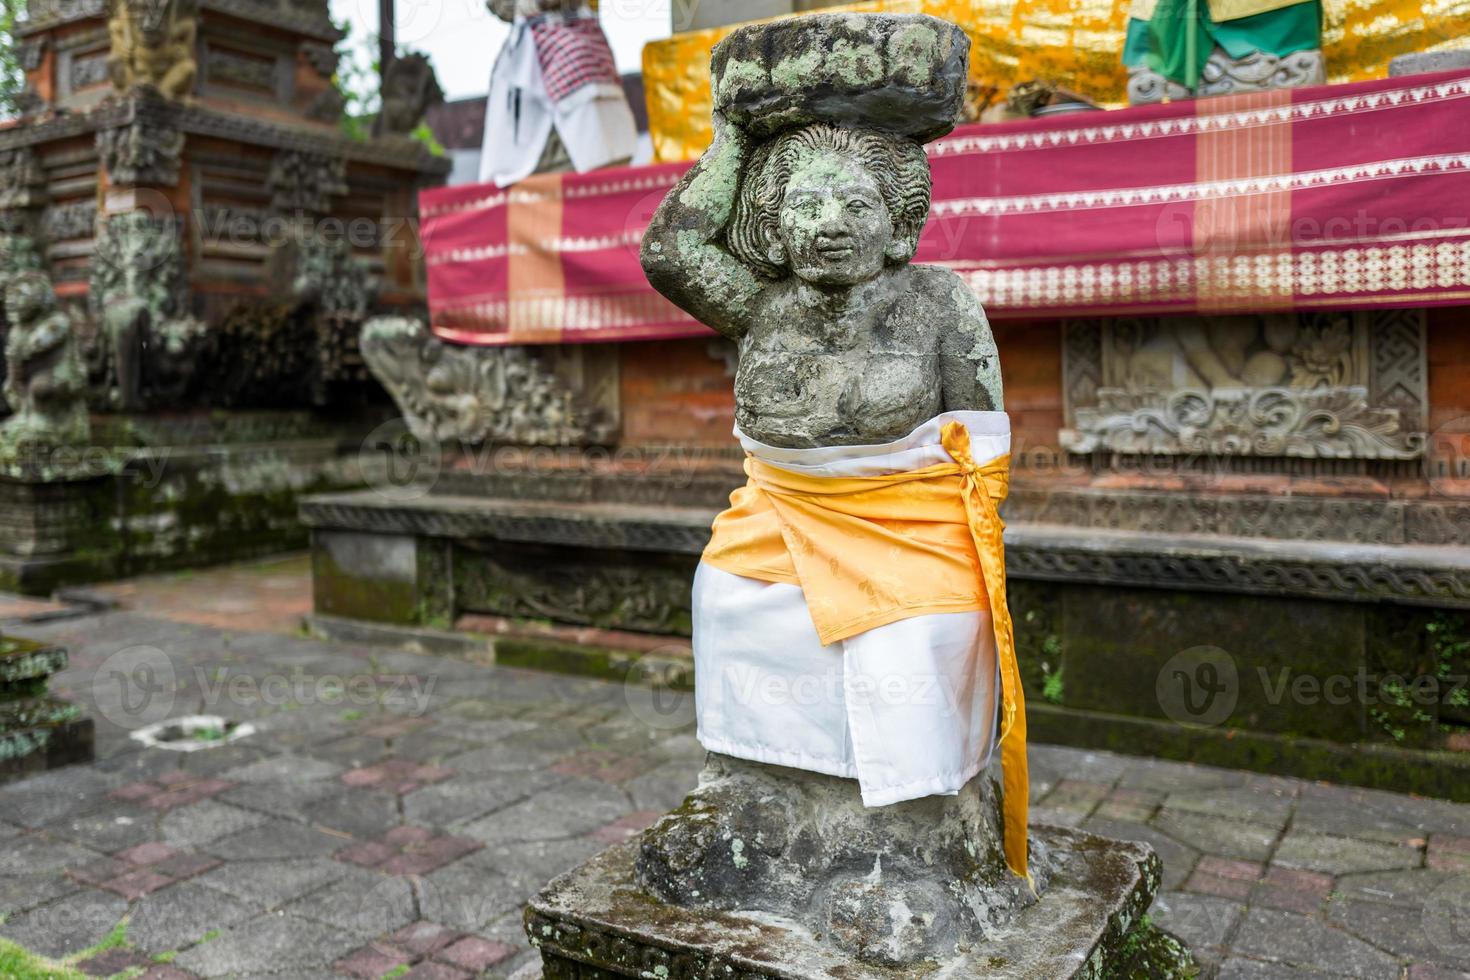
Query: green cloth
column 1163, row 43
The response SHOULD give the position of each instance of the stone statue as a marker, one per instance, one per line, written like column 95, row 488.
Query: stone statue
column 153, row 44
column 472, row 395
column 44, row 379
column 854, row 658
column 410, row 89
column 1218, row 47
column 139, row 294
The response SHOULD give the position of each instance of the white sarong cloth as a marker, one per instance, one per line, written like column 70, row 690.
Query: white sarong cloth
column 595, row 124
column 907, row 709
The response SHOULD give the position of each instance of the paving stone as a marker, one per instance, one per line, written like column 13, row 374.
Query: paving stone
column 528, row 866
column 1263, row 808
column 356, row 814
column 284, row 769
column 1082, row 764
column 68, row 925
column 1076, row 795
column 31, row 855
column 530, row 750
column 207, row 821
column 435, row 971
column 270, row 944
column 150, row 852
column 362, row 903
column 181, row 866
column 1292, row 890
column 603, row 765
column 1328, row 815
column 1375, row 806
column 136, row 884
column 1436, row 933
column 1297, row 940
column 425, row 938
column 353, row 751
column 1410, row 889
column 21, row 892
column 276, row 839
column 1217, row 835
column 182, row 915
column 116, row 960
column 271, row 884
column 469, row 893
column 282, row 799
column 564, row 811
column 430, row 747
column 476, row 955
column 94, row 873
column 1342, row 855
column 466, row 798
column 1224, row 877
column 167, row 971
column 59, row 794
column 1238, row 969
column 111, row 827
column 1202, row 921
column 1432, row 971
column 372, row 961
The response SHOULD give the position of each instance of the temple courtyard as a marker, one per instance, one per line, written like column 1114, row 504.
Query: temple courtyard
column 392, row 812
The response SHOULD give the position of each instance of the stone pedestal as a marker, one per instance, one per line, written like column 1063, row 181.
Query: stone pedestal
column 37, row 730
column 767, row 872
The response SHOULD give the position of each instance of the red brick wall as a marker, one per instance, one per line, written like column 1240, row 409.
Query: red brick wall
column 675, row 392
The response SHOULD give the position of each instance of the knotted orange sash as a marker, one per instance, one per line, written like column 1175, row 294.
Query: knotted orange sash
column 868, row 551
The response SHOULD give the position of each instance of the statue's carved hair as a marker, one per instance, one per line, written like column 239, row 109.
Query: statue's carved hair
column 897, row 163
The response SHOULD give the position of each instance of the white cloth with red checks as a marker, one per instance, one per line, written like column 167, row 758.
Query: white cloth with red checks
column 555, row 72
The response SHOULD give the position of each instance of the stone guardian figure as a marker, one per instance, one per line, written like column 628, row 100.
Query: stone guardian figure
column 853, row 649
column 44, row 379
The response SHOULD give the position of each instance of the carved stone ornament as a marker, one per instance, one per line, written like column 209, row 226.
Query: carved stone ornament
column 148, row 150
column 1314, row 386
column 22, row 181
column 306, row 182
column 153, row 45
column 323, row 58
column 44, row 380
column 410, row 90
column 139, row 294
column 1224, row 75
column 473, row 395
column 29, row 53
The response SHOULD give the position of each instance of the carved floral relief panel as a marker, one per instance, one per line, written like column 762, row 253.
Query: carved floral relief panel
column 1308, row 385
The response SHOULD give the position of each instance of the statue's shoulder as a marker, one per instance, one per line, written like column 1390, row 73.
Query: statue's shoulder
column 945, row 289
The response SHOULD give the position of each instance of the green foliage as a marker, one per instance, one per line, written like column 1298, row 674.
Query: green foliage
column 12, row 79
column 359, row 81
column 17, row 963
column 1052, row 689
column 425, row 135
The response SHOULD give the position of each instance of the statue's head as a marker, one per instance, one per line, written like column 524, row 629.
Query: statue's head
column 832, row 205
column 27, row 296
column 150, row 19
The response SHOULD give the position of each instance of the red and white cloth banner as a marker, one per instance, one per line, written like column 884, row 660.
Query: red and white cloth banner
column 1334, row 197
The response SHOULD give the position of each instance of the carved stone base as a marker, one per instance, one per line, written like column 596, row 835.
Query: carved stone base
column 1224, row 75
column 37, row 731
column 802, row 846
column 895, row 897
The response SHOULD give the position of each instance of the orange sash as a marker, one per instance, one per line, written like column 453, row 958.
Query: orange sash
column 872, row 550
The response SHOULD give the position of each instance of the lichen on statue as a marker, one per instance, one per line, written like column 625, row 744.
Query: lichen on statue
column 799, row 250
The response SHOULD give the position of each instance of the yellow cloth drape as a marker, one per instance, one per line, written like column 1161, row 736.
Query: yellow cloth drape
column 868, row 551
column 1075, row 43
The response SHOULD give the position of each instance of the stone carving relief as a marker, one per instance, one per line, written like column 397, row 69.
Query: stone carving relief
column 474, row 395
column 30, row 53
column 410, row 89
column 22, row 181
column 1261, row 72
column 44, row 380
column 75, row 219
column 235, row 68
column 147, row 150
column 153, row 45
column 321, row 57
column 139, row 296
column 306, row 182
column 1308, row 385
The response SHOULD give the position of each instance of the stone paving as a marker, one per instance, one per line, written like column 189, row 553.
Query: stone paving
column 393, row 812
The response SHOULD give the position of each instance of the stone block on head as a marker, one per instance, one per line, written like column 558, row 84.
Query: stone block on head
column 902, row 73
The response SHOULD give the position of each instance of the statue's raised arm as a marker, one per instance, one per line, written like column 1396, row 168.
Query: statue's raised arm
column 684, row 251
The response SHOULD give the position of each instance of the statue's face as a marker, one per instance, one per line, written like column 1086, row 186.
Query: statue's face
column 150, row 19
column 834, row 225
